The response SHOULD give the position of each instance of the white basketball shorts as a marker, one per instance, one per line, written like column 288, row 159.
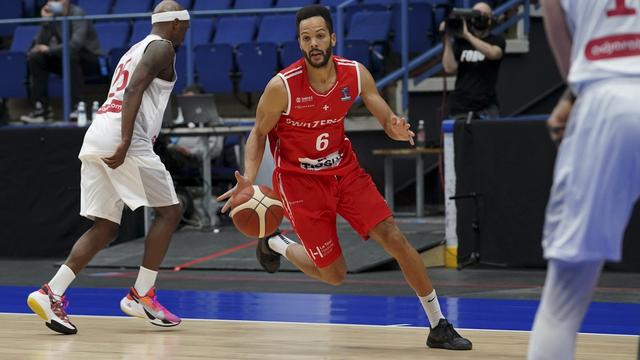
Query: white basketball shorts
column 597, row 174
column 139, row 181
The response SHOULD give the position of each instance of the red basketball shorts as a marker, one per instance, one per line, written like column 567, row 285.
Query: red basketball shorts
column 312, row 203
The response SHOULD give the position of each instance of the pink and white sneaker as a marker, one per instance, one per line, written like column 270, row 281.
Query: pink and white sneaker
column 148, row 307
column 52, row 309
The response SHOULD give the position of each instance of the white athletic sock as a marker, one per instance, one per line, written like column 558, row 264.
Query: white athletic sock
column 146, row 279
column 61, row 280
column 280, row 243
column 432, row 308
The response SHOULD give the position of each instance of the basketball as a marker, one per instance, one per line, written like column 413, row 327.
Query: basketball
column 256, row 211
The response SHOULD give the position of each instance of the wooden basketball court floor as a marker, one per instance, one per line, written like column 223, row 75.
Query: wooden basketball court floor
column 247, row 325
column 25, row 337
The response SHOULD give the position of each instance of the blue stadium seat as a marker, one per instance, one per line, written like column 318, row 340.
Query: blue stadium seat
column 112, row 35
column 30, row 8
column 181, row 71
column 10, row 10
column 14, row 73
column 277, row 29
column 131, row 6
column 332, row 3
column 23, row 37
column 293, row 3
column 201, row 30
column 252, row 4
column 140, row 30
column 420, row 27
column 439, row 10
column 95, row 7
column 257, row 63
column 115, row 55
column 235, row 30
column 370, row 25
column 352, row 9
column 358, row 50
column 386, row 3
column 214, row 64
column 289, row 53
column 211, row 4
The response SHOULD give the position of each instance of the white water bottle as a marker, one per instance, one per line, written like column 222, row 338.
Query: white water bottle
column 82, row 114
column 421, row 136
column 94, row 110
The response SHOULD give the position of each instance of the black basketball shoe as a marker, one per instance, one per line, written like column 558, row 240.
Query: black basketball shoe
column 444, row 336
column 268, row 259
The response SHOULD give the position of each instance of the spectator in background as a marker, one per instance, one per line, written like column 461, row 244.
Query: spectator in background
column 46, row 56
column 474, row 54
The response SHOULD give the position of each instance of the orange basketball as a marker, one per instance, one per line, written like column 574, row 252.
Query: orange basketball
column 256, row 211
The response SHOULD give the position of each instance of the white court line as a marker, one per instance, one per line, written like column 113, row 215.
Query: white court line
column 399, row 326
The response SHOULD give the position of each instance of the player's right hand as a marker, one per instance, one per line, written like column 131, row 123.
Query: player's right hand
column 558, row 120
column 241, row 183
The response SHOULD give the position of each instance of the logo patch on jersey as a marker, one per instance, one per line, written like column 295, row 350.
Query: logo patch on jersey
column 345, row 94
column 325, row 107
column 304, row 99
column 327, row 162
column 312, row 124
column 613, row 47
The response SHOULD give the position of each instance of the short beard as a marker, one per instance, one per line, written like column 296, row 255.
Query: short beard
column 327, row 56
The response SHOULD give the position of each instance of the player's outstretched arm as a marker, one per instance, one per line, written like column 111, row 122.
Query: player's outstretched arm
column 396, row 127
column 558, row 34
column 272, row 104
column 157, row 58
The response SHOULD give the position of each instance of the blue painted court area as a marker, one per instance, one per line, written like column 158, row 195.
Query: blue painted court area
column 606, row 318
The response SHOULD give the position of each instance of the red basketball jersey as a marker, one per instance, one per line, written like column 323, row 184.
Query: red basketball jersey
column 309, row 137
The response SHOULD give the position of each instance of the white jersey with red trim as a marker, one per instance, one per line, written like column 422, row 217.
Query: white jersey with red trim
column 606, row 40
column 104, row 134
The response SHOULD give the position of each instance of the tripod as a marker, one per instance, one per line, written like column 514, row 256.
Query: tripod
column 474, row 256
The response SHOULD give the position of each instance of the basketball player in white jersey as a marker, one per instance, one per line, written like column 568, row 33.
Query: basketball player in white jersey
column 119, row 167
column 597, row 173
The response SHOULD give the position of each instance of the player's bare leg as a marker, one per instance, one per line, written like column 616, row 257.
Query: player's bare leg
column 90, row 243
column 395, row 244
column 159, row 236
column 442, row 334
column 333, row 274
column 272, row 247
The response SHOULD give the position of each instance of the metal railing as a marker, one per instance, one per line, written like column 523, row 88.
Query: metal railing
column 403, row 72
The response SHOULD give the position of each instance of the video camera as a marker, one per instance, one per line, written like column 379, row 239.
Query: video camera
column 477, row 22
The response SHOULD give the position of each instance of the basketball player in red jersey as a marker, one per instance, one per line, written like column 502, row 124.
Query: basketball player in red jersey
column 302, row 111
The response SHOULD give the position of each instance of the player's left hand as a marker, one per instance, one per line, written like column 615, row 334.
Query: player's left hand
column 117, row 158
column 398, row 129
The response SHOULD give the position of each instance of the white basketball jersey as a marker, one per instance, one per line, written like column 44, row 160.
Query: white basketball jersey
column 104, row 134
column 606, row 40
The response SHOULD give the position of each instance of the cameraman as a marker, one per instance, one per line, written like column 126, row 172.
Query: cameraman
column 475, row 55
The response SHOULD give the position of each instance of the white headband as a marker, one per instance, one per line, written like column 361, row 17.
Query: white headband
column 182, row 15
